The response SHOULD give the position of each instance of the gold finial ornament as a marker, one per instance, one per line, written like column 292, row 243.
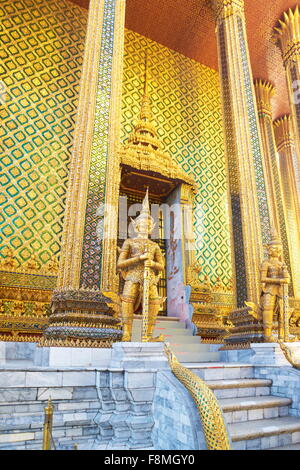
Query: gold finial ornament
column 48, row 421
column 141, row 262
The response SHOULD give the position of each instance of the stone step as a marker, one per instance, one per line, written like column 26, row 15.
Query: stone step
column 237, row 410
column 165, row 325
column 192, row 357
column 221, row 371
column 192, row 347
column 182, row 339
column 288, row 447
column 240, row 387
column 169, row 332
column 160, row 318
column 137, row 326
column 252, row 403
column 265, row 433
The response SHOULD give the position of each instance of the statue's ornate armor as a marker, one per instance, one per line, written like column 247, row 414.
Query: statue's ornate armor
column 273, row 273
column 132, row 269
column 136, row 255
column 130, row 265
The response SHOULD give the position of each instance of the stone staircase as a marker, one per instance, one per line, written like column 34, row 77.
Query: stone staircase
column 186, row 346
column 256, row 419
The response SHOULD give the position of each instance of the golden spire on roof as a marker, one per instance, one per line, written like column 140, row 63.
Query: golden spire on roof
column 144, row 132
column 143, row 150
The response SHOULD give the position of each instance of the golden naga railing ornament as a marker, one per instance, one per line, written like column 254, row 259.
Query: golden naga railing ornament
column 290, row 356
column 210, row 412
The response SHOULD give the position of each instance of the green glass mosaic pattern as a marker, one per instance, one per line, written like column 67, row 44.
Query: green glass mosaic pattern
column 40, row 71
column 187, row 109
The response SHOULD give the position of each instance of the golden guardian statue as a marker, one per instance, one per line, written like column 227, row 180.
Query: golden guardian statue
column 274, row 296
column 141, row 263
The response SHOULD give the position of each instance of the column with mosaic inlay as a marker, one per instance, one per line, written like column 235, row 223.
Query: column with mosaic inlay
column 264, row 92
column 290, row 183
column 249, row 206
column 288, row 35
column 88, row 256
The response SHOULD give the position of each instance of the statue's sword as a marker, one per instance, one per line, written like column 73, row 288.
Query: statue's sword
column 285, row 295
column 146, row 286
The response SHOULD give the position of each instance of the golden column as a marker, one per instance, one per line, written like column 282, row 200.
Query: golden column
column 95, row 156
column 264, row 92
column 88, row 255
column 249, row 207
column 288, row 34
column 290, row 183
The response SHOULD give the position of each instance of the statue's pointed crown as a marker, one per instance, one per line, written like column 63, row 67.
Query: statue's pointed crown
column 145, row 212
column 275, row 240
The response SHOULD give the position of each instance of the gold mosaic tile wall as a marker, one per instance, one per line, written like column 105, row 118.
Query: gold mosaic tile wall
column 42, row 51
column 40, row 71
column 187, row 108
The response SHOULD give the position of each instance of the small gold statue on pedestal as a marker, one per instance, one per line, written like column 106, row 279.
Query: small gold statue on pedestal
column 141, row 263
column 274, row 296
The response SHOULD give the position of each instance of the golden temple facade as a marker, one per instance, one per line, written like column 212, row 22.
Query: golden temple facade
column 224, row 124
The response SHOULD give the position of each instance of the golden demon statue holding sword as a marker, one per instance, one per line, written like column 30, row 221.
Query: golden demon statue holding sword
column 141, row 263
column 274, row 278
column 274, row 297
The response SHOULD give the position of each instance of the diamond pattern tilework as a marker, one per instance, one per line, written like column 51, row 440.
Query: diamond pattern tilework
column 40, row 70
column 187, row 109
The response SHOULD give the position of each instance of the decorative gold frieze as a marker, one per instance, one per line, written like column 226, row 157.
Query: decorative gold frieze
column 32, row 266
column 24, row 313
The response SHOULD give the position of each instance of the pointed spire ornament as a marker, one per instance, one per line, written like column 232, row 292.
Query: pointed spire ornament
column 144, row 150
column 275, row 240
column 145, row 212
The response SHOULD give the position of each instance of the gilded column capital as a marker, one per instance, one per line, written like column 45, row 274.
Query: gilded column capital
column 264, row 91
column 283, row 132
column 288, row 33
column 225, row 8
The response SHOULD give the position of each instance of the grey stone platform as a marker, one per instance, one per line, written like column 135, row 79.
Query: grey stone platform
column 261, row 354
